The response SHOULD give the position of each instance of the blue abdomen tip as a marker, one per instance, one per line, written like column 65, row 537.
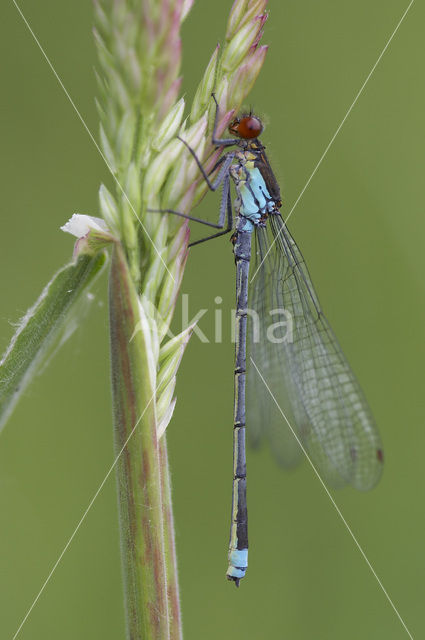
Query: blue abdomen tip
column 238, row 563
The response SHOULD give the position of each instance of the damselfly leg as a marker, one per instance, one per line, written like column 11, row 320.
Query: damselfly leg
column 222, row 179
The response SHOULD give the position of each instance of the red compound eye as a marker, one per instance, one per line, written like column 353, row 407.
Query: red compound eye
column 247, row 127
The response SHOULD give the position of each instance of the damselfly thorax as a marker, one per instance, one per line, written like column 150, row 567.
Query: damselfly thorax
column 258, row 193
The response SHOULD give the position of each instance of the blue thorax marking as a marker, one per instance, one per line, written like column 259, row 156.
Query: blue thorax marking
column 255, row 199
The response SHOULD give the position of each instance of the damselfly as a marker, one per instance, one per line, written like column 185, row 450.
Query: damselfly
column 322, row 410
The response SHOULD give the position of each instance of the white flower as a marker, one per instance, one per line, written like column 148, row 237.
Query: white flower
column 80, row 225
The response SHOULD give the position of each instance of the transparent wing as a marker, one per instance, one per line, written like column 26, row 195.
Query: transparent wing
column 295, row 350
column 264, row 419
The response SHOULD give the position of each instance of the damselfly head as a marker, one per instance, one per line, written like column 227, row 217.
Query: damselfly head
column 247, row 127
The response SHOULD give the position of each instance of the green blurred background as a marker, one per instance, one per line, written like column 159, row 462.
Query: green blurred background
column 360, row 224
